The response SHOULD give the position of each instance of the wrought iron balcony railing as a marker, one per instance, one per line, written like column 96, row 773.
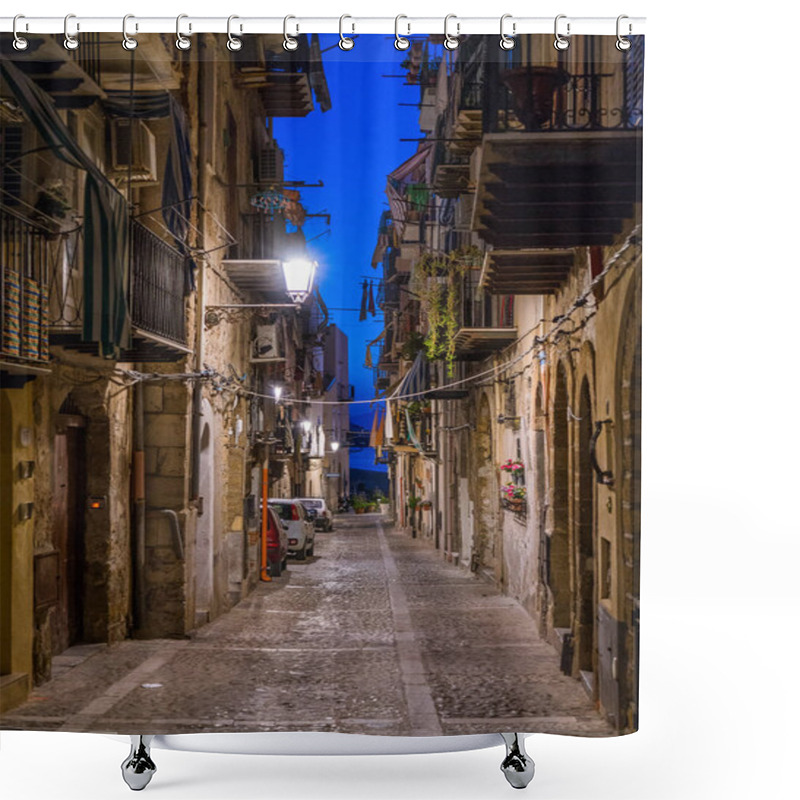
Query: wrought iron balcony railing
column 157, row 286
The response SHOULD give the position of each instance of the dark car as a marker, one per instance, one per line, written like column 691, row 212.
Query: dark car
column 277, row 544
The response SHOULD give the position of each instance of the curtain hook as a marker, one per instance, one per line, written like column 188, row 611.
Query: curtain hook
column 345, row 42
column 128, row 42
column 400, row 42
column 181, row 42
column 507, row 42
column 234, row 44
column 20, row 42
column 561, row 43
column 70, row 42
column 289, row 43
column 623, row 43
column 451, row 42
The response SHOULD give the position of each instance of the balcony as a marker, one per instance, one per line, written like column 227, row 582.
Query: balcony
column 487, row 322
column 26, row 252
column 254, row 263
column 526, row 271
column 286, row 80
column 156, row 302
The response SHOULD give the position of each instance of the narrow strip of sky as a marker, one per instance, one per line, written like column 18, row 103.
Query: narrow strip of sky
column 352, row 148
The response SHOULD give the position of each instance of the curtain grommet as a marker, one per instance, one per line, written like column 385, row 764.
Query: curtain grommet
column 400, row 42
column 182, row 42
column 70, row 42
column 233, row 44
column 451, row 42
column 561, row 42
column 128, row 42
column 345, row 42
column 289, row 42
column 507, row 42
column 20, row 42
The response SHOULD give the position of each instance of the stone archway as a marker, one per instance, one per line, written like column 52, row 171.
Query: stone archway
column 486, row 553
column 204, row 537
column 585, row 561
column 558, row 572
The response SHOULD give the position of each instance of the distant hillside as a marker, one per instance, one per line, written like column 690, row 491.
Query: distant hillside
column 368, row 480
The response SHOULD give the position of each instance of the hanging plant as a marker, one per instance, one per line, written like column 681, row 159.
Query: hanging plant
column 436, row 280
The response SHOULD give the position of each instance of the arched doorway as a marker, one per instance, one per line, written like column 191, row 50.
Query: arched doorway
column 558, row 573
column 486, row 546
column 585, row 611
column 204, row 540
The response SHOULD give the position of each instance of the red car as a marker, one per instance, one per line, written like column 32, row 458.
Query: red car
column 277, row 544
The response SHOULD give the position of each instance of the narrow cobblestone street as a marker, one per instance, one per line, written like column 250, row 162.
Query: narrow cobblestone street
column 375, row 634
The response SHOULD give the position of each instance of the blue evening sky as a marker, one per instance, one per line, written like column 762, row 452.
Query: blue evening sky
column 351, row 148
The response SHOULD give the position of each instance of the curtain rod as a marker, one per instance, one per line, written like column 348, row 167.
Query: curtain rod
column 409, row 26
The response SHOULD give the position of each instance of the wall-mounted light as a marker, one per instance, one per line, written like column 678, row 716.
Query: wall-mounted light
column 334, row 446
column 277, row 391
column 299, row 275
column 502, row 418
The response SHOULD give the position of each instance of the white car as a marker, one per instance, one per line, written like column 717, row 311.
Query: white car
column 300, row 527
column 323, row 519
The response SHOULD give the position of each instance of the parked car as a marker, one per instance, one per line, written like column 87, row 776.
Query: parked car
column 301, row 529
column 277, row 543
column 323, row 518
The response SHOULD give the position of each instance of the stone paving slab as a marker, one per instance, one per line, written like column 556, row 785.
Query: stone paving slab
column 374, row 634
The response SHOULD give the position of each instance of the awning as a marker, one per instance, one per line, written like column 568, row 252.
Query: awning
column 106, row 240
column 415, row 381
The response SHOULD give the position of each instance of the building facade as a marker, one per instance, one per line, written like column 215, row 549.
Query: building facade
column 145, row 327
column 510, row 359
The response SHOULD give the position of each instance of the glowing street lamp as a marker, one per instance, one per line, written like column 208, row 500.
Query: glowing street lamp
column 299, row 276
column 277, row 391
column 334, row 446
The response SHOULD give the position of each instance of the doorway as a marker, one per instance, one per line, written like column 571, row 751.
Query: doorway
column 69, row 473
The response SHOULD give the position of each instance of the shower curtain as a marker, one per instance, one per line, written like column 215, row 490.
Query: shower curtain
column 398, row 290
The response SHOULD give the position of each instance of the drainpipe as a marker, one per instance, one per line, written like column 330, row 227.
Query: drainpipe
column 197, row 391
column 139, row 508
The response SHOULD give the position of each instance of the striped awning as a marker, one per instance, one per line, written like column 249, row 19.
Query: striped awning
column 415, row 381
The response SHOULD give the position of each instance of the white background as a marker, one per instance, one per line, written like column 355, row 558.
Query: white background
column 719, row 708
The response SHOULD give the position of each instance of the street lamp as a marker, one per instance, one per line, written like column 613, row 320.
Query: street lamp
column 334, row 446
column 299, row 276
column 277, row 391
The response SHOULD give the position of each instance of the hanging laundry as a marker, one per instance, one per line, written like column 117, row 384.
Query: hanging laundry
column 368, row 358
column 371, row 300
column 362, row 314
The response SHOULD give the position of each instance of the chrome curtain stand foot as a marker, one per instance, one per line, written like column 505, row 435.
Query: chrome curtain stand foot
column 138, row 768
column 517, row 766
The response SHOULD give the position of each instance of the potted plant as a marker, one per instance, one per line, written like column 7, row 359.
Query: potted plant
column 515, row 467
column 514, row 497
column 359, row 505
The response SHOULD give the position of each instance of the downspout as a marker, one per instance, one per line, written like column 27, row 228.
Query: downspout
column 197, row 390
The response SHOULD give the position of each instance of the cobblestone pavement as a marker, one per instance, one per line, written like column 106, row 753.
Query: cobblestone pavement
column 375, row 634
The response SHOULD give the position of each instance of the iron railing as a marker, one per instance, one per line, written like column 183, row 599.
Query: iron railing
column 157, row 285
column 522, row 96
column 87, row 56
column 483, row 310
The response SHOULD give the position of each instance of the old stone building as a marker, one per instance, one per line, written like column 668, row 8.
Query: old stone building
column 512, row 344
column 145, row 220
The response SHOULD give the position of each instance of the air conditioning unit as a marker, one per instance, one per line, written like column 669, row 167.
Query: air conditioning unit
column 133, row 151
column 269, row 165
